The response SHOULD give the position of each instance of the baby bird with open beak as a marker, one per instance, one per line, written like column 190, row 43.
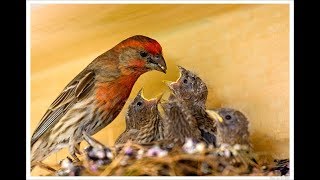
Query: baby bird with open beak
column 142, row 121
column 190, row 89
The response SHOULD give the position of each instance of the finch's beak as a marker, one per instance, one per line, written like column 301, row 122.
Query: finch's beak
column 155, row 101
column 140, row 93
column 214, row 115
column 159, row 98
column 170, row 84
column 181, row 69
column 157, row 63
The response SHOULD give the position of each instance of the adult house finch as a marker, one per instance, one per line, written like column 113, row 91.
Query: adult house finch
column 193, row 91
column 232, row 127
column 178, row 122
column 142, row 121
column 95, row 96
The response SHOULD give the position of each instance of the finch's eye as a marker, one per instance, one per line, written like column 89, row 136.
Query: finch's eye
column 185, row 81
column 139, row 103
column 228, row 117
column 143, row 54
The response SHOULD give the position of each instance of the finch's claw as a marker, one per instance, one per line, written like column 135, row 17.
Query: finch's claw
column 73, row 150
column 44, row 166
column 75, row 158
column 77, row 149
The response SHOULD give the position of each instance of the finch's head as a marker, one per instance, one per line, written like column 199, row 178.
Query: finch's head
column 141, row 111
column 189, row 87
column 232, row 126
column 232, row 120
column 140, row 54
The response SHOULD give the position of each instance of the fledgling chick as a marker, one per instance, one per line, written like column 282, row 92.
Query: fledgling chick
column 142, row 121
column 179, row 124
column 193, row 91
column 97, row 154
column 232, row 126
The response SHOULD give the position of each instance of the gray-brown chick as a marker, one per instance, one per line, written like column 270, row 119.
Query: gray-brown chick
column 142, row 121
column 232, row 126
column 178, row 122
column 193, row 91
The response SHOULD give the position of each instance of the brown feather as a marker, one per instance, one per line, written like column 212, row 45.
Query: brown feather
column 79, row 87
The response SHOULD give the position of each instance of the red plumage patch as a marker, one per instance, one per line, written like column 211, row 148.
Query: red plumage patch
column 153, row 47
column 150, row 45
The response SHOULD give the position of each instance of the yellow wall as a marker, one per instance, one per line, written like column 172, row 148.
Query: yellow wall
column 240, row 51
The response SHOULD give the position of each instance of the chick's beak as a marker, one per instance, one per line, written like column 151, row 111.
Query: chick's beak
column 155, row 101
column 158, row 99
column 214, row 115
column 170, row 84
column 158, row 63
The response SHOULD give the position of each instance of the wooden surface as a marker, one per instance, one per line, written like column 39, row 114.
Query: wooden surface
column 240, row 51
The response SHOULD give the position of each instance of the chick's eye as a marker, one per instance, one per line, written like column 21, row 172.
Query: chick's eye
column 228, row 117
column 143, row 54
column 139, row 103
column 185, row 81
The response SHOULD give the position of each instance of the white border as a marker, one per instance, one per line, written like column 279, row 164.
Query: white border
column 162, row 2
column 291, row 88
column 28, row 84
column 28, row 79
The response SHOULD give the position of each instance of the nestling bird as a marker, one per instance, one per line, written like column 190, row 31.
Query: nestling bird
column 94, row 98
column 232, row 126
column 178, row 122
column 193, row 91
column 142, row 121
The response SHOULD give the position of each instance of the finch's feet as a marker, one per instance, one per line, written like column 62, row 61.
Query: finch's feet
column 75, row 158
column 73, row 150
column 44, row 166
column 77, row 149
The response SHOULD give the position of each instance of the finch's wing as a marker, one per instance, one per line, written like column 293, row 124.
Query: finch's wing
column 207, row 128
column 208, row 136
column 77, row 89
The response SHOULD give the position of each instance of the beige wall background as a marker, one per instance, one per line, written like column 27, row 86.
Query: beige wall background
column 240, row 51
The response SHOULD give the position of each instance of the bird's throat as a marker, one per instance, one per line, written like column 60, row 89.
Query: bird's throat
column 114, row 92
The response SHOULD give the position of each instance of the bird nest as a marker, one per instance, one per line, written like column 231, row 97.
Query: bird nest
column 191, row 159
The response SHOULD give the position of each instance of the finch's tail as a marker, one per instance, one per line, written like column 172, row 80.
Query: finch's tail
column 39, row 151
column 32, row 166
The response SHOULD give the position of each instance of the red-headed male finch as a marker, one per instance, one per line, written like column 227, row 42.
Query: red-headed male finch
column 193, row 92
column 142, row 121
column 232, row 126
column 178, row 123
column 94, row 98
